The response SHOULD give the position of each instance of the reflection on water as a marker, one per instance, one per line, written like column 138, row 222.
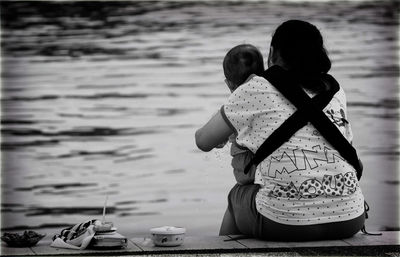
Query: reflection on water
column 103, row 98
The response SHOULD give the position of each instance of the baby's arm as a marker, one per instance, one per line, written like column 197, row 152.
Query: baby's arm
column 213, row 133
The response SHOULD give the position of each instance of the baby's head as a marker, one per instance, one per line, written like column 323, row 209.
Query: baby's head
column 240, row 62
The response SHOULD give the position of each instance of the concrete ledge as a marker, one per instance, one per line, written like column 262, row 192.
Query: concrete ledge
column 386, row 245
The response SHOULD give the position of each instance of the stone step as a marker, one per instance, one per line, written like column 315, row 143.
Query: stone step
column 388, row 244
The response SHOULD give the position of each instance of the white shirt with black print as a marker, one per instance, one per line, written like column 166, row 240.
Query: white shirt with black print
column 305, row 181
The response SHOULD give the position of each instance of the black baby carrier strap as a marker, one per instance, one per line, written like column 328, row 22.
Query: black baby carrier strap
column 308, row 110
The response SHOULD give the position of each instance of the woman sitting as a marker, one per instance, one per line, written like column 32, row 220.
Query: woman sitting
column 305, row 189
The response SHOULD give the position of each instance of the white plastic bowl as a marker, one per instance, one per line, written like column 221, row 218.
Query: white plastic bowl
column 168, row 235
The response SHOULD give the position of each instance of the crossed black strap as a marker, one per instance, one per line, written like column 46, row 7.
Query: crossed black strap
column 308, row 110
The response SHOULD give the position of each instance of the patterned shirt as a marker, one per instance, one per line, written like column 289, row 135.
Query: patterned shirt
column 305, row 181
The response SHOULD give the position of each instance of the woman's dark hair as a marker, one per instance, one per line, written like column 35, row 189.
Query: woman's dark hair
column 301, row 47
column 242, row 61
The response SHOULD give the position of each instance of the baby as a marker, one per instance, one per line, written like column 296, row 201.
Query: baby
column 240, row 63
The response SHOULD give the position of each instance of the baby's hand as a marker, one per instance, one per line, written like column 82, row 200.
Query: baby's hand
column 222, row 144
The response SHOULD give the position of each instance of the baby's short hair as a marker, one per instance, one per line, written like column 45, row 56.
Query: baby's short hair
column 242, row 61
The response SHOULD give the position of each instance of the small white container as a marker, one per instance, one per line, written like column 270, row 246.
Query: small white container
column 168, row 236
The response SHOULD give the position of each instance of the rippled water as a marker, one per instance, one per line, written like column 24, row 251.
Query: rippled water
column 103, row 98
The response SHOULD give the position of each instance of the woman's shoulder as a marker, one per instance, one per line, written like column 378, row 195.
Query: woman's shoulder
column 340, row 96
column 253, row 78
column 255, row 83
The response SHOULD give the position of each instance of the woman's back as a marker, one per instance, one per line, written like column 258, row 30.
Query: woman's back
column 305, row 181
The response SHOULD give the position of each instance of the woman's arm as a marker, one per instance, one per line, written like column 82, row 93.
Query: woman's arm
column 215, row 132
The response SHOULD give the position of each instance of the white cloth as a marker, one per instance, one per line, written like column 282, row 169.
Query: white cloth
column 78, row 243
column 305, row 181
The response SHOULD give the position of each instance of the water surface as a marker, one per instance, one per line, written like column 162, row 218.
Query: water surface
column 103, row 98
